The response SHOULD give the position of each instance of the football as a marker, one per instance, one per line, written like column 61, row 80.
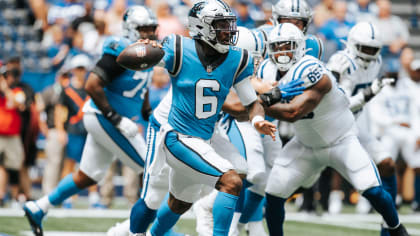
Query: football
column 140, row 56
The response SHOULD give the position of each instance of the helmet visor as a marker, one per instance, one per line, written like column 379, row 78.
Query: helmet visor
column 368, row 50
column 225, row 30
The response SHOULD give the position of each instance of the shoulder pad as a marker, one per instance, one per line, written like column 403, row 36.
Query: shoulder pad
column 168, row 41
column 114, row 45
column 310, row 70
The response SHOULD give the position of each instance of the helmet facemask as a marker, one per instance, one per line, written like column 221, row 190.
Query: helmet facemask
column 284, row 53
column 223, row 32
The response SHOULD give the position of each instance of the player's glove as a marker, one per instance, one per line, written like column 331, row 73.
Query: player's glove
column 376, row 87
column 126, row 126
column 283, row 91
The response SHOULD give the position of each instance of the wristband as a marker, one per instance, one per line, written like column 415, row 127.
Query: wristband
column 256, row 119
column 113, row 117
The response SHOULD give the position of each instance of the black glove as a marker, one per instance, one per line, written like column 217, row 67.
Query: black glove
column 272, row 97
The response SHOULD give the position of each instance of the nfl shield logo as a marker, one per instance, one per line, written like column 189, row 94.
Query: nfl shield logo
column 141, row 51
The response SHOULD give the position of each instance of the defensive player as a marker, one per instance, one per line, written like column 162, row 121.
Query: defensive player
column 210, row 66
column 116, row 98
column 260, row 152
column 325, row 133
column 357, row 69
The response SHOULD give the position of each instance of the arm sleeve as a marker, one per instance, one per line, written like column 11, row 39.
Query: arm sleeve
column 245, row 68
column 169, row 46
column 245, row 91
column 107, row 68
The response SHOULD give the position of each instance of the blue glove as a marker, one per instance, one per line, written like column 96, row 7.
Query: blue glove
column 283, row 91
column 291, row 89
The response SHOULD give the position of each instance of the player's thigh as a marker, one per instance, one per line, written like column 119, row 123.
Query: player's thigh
column 351, row 160
column 130, row 150
column 227, row 150
column 193, row 162
column 96, row 159
column 377, row 152
column 254, row 148
column 155, row 182
column 291, row 170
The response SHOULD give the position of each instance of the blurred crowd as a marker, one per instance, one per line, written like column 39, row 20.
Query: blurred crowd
column 47, row 48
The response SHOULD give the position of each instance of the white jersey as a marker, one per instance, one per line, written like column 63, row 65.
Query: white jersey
column 354, row 77
column 331, row 119
column 395, row 105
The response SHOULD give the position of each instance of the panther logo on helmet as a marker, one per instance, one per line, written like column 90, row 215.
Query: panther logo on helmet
column 213, row 22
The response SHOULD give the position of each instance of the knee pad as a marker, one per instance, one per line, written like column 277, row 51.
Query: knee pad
column 13, row 176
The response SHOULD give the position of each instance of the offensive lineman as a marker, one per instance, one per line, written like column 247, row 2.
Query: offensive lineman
column 117, row 96
column 325, row 133
column 356, row 68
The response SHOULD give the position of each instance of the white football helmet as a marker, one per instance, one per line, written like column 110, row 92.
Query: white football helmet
column 364, row 42
column 286, row 38
column 204, row 22
column 249, row 41
column 136, row 17
column 292, row 9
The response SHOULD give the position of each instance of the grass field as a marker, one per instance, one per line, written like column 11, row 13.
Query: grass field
column 66, row 222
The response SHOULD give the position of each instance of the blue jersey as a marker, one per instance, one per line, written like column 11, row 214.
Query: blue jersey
column 198, row 93
column 126, row 92
column 314, row 45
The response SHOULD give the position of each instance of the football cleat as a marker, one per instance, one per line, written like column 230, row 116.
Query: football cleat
column 34, row 214
column 399, row 231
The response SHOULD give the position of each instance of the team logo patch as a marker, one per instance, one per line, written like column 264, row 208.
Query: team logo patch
column 141, row 51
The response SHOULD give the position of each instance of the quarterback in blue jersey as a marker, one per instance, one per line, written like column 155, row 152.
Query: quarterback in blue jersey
column 117, row 98
column 203, row 70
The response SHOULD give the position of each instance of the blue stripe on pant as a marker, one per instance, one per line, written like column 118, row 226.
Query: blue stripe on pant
column 120, row 140
column 188, row 156
column 151, row 142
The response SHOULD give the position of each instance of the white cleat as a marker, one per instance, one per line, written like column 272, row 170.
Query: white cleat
column 256, row 228
column 363, row 206
column 120, row 229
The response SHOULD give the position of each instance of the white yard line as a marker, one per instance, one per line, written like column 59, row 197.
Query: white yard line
column 61, row 233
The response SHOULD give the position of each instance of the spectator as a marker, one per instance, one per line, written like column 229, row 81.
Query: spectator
column 11, row 149
column 323, row 12
column 242, row 12
column 30, row 124
column 114, row 17
column 363, row 10
column 396, row 32
column 336, row 29
column 57, row 49
column 55, row 140
column 407, row 56
column 168, row 23
column 63, row 12
column 256, row 11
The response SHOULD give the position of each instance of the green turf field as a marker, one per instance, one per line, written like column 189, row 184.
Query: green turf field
column 15, row 225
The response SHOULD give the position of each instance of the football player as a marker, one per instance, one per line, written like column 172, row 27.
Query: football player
column 117, row 96
column 357, row 69
column 325, row 132
column 201, row 82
